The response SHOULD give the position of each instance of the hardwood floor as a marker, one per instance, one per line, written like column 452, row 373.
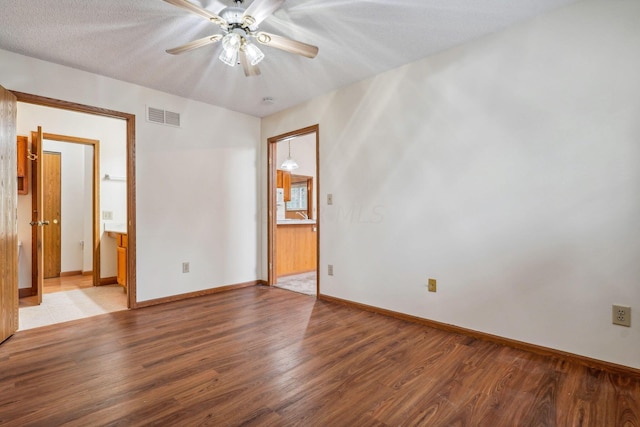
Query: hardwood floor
column 67, row 283
column 269, row 357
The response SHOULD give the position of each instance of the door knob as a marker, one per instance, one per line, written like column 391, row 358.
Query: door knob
column 39, row 223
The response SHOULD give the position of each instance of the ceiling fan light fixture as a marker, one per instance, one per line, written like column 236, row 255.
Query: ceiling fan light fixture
column 230, row 45
column 232, row 14
column 254, row 55
column 231, row 41
column 239, row 25
column 229, row 57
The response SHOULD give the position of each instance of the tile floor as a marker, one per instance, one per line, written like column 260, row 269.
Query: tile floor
column 304, row 283
column 64, row 306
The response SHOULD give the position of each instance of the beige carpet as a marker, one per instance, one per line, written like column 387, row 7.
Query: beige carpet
column 61, row 307
column 303, row 283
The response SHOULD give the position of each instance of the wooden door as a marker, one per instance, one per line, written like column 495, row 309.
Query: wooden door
column 51, row 170
column 37, row 218
column 8, row 216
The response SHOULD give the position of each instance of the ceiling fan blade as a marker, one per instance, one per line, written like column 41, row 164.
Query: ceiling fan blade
column 198, row 10
column 259, row 10
column 216, row 6
column 249, row 70
column 195, row 44
column 286, row 44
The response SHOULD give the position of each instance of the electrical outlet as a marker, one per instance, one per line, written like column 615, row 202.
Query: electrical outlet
column 330, row 269
column 432, row 285
column 621, row 315
column 107, row 215
column 329, row 199
column 185, row 267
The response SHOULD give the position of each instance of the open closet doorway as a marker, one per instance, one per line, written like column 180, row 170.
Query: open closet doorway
column 293, row 214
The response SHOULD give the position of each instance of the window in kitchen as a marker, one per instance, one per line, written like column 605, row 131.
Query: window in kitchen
column 299, row 197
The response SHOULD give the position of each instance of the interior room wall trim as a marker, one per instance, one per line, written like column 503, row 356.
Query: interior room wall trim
column 201, row 293
column 540, row 350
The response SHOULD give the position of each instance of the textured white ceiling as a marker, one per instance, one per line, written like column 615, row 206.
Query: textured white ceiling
column 126, row 40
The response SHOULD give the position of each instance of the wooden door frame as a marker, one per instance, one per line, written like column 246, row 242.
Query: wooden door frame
column 271, row 200
column 95, row 191
column 130, row 120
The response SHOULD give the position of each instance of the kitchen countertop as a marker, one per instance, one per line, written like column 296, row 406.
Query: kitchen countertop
column 296, row 221
column 115, row 227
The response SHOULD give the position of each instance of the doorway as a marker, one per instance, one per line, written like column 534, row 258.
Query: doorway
column 71, row 239
column 128, row 186
column 68, row 196
column 293, row 214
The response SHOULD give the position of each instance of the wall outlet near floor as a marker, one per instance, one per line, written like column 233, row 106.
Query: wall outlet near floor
column 621, row 315
column 185, row 267
column 432, row 285
column 329, row 199
column 330, row 269
column 107, row 215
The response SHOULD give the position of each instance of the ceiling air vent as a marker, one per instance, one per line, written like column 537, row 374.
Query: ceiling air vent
column 157, row 115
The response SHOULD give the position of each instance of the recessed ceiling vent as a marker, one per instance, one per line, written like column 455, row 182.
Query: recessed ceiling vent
column 158, row 115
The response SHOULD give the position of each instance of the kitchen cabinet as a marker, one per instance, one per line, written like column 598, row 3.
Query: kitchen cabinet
column 22, row 169
column 283, row 180
column 296, row 248
column 121, row 276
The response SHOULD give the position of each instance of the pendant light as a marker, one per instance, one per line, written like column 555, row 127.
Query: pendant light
column 289, row 164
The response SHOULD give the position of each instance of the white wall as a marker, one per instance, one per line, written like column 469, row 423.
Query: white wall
column 112, row 136
column 196, row 186
column 508, row 169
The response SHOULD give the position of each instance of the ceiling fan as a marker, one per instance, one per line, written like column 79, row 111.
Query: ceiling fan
column 239, row 26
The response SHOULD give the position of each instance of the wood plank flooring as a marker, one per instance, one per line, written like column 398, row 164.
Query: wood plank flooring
column 269, row 357
column 67, row 283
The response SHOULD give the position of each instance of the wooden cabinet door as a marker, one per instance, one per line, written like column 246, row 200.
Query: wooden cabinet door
column 122, row 266
column 296, row 249
column 286, row 185
column 283, row 180
column 22, row 173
